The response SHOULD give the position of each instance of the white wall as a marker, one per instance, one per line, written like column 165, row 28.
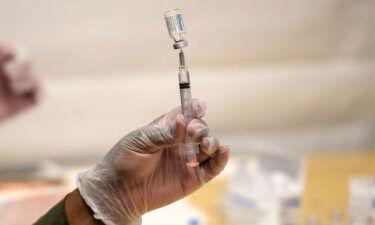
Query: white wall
column 293, row 74
column 69, row 38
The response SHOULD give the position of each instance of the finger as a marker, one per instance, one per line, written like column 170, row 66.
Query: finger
column 198, row 108
column 212, row 167
column 21, row 77
column 197, row 129
column 152, row 138
column 6, row 53
column 198, row 111
column 167, row 117
column 208, row 148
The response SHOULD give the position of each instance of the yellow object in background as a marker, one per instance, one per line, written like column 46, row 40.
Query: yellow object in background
column 327, row 184
column 208, row 199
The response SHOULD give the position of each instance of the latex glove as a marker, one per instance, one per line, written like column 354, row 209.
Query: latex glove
column 18, row 87
column 145, row 170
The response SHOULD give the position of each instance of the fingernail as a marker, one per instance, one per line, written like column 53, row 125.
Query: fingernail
column 224, row 149
column 205, row 142
column 200, row 108
column 180, row 118
column 197, row 110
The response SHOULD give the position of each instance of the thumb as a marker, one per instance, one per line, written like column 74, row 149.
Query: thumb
column 152, row 137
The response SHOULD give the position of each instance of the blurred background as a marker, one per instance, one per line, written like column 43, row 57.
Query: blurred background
column 290, row 86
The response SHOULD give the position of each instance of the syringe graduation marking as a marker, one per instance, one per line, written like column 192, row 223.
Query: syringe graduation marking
column 184, row 85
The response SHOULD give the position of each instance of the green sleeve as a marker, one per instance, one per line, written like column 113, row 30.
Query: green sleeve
column 55, row 216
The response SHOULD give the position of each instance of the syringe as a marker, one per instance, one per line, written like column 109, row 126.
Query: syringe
column 177, row 31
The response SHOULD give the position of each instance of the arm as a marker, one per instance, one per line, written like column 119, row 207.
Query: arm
column 144, row 171
column 78, row 213
column 72, row 210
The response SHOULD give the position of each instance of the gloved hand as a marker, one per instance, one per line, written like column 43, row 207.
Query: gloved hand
column 146, row 170
column 18, row 87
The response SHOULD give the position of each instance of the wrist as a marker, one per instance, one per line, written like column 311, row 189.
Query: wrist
column 103, row 194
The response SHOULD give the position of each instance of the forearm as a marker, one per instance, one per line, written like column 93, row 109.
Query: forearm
column 70, row 211
column 77, row 212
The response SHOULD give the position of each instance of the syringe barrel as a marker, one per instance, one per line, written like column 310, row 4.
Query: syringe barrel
column 185, row 95
column 189, row 147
